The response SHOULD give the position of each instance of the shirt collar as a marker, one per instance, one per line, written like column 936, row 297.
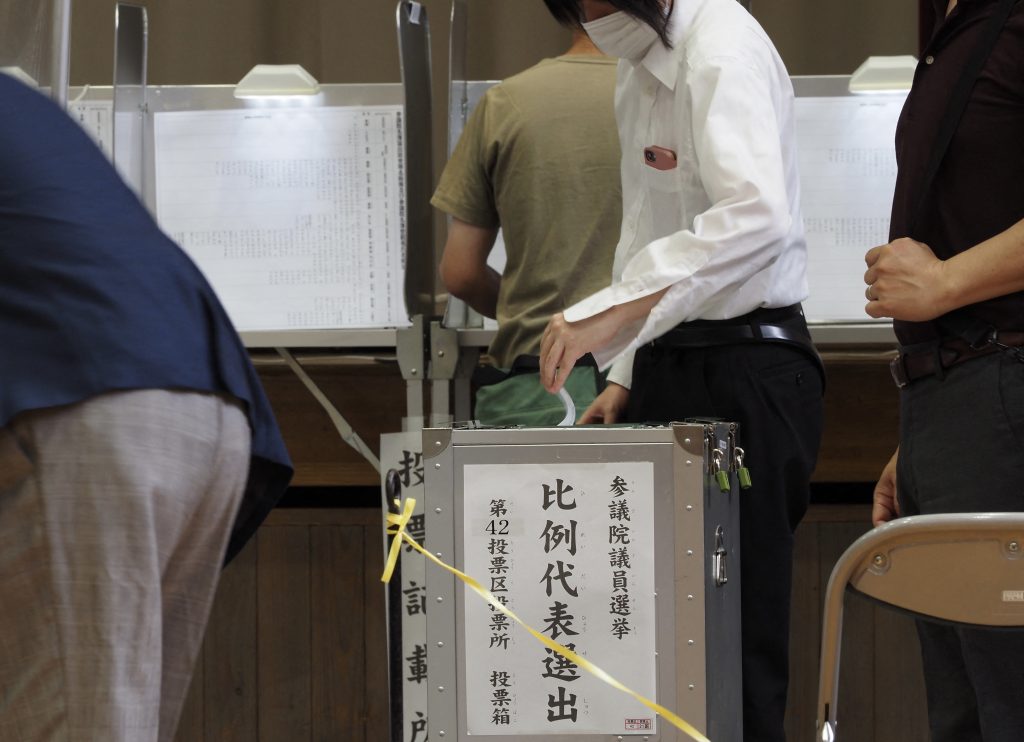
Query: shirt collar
column 662, row 62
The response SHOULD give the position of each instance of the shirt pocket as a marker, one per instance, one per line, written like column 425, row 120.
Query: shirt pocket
column 665, row 195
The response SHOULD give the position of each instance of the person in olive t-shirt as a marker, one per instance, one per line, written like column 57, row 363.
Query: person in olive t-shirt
column 539, row 159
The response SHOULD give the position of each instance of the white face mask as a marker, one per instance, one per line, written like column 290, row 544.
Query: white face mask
column 621, row 35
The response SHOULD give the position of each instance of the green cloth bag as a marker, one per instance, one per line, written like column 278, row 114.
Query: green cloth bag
column 521, row 400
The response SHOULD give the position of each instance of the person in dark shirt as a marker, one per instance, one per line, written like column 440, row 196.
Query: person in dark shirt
column 137, row 449
column 956, row 261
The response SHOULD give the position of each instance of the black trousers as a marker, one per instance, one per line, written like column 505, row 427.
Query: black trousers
column 962, row 450
column 774, row 392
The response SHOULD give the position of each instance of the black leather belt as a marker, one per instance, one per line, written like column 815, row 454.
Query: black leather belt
column 785, row 325
column 932, row 359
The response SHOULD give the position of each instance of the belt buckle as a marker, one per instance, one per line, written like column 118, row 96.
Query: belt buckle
column 899, row 372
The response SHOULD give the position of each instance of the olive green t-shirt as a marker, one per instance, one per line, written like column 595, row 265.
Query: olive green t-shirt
column 540, row 158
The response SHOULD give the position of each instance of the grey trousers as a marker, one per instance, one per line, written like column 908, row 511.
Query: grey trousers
column 114, row 517
column 962, row 450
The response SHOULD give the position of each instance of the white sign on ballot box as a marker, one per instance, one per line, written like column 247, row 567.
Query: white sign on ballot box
column 578, row 540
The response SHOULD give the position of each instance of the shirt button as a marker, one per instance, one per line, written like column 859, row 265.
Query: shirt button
column 929, row 59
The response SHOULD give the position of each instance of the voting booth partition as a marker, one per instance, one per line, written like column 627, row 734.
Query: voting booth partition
column 621, row 543
column 293, row 209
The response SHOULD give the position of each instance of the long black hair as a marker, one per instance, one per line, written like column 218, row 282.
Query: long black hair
column 651, row 12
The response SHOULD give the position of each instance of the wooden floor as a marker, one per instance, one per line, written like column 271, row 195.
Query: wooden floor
column 295, row 649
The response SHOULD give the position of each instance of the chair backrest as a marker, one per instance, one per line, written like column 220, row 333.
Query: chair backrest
column 967, row 568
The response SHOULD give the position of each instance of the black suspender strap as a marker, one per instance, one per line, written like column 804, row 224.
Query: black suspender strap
column 960, row 323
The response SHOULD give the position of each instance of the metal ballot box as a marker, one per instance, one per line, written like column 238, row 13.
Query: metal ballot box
column 621, row 543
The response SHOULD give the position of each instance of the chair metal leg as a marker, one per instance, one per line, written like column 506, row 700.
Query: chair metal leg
column 831, row 646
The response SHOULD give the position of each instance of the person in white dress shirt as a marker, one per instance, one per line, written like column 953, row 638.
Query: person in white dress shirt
column 702, row 317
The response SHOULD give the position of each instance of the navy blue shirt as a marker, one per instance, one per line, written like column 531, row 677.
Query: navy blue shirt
column 95, row 298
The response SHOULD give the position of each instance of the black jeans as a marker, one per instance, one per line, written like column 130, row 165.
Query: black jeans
column 774, row 392
column 962, row 450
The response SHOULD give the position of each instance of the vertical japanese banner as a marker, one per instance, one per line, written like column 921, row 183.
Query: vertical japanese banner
column 570, row 549
column 403, row 452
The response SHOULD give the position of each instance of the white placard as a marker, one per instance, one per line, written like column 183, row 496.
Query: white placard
column 847, row 176
column 96, row 117
column 570, row 549
column 295, row 215
column 403, row 452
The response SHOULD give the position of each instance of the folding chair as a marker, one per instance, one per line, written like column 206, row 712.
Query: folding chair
column 962, row 568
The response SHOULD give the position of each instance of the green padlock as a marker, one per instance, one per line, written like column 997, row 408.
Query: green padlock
column 742, row 472
column 723, row 480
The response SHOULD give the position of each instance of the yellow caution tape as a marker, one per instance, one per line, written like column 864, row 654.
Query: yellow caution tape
column 396, row 528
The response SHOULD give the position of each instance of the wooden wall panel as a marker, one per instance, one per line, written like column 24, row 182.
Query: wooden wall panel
column 371, row 396
column 861, row 418
column 296, row 647
column 805, row 641
column 230, row 673
column 284, row 619
column 338, row 578
column 375, row 713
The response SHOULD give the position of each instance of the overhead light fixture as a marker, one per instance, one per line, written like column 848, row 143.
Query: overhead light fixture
column 277, row 81
column 884, row 75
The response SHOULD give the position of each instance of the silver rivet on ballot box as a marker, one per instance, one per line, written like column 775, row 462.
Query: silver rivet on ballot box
column 440, row 599
column 690, row 642
column 440, row 354
column 689, row 463
column 441, row 733
column 689, row 552
column 437, row 466
column 440, row 644
column 687, row 442
column 689, row 507
column 689, row 597
column 879, row 560
column 437, row 510
column 1013, row 546
column 440, row 689
column 692, row 686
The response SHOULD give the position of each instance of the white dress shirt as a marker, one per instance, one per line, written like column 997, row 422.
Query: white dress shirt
column 723, row 229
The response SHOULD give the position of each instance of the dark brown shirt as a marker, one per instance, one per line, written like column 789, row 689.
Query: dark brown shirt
column 979, row 189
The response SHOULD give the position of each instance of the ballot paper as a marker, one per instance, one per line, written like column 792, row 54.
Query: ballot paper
column 295, row 214
column 847, row 175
